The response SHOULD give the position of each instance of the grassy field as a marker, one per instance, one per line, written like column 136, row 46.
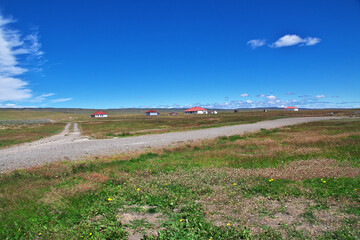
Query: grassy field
column 28, row 114
column 15, row 134
column 107, row 128
column 123, row 126
column 299, row 182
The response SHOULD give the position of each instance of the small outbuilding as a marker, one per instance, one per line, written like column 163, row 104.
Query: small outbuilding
column 291, row 109
column 173, row 114
column 152, row 113
column 196, row 110
column 99, row 114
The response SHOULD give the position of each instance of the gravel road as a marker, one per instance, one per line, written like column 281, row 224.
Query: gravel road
column 70, row 145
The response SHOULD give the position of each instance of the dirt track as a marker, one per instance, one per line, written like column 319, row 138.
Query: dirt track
column 69, row 145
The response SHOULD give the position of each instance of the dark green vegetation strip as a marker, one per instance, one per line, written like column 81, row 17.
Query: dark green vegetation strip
column 11, row 135
column 207, row 190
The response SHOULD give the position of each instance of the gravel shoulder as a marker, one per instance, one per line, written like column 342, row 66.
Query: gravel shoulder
column 70, row 145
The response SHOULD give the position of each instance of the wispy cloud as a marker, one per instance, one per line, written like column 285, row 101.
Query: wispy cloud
column 42, row 97
column 60, row 100
column 292, row 40
column 320, row 96
column 244, row 95
column 255, row 43
column 12, row 47
column 289, row 93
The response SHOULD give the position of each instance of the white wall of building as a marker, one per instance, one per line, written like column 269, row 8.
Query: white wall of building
column 101, row 115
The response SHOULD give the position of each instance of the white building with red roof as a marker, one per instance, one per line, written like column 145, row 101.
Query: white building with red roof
column 99, row 114
column 291, row 109
column 196, row 110
column 152, row 113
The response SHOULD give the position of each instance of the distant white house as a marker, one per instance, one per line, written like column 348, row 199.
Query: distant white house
column 291, row 109
column 196, row 110
column 152, row 113
column 212, row 112
column 99, row 114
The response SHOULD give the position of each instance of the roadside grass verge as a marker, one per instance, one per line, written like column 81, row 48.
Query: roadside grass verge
column 10, row 135
column 299, row 182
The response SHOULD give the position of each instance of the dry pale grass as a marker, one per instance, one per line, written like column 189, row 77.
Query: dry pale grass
column 257, row 212
column 298, row 170
column 313, row 137
column 51, row 170
column 57, row 197
column 94, row 177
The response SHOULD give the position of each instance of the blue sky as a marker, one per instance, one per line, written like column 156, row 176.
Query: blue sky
column 223, row 54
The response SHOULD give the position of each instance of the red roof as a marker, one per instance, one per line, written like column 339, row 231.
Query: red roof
column 99, row 113
column 194, row 109
column 151, row 111
column 290, row 107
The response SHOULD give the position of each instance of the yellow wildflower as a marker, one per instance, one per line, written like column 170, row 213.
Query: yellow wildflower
column 19, row 229
column 109, row 199
column 324, row 181
column 228, row 224
column 138, row 189
column 90, row 234
column 39, row 234
column 234, row 184
column 180, row 220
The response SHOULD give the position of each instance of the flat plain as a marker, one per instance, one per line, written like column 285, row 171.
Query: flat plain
column 295, row 182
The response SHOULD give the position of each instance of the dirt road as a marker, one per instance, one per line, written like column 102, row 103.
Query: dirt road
column 69, row 145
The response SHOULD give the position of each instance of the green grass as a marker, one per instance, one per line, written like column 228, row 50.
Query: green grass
column 12, row 135
column 215, row 189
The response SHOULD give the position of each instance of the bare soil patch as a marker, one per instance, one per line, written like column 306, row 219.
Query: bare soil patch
column 140, row 221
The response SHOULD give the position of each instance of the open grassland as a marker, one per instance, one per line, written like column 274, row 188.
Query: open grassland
column 298, row 182
column 15, row 134
column 139, row 125
column 29, row 114
column 106, row 128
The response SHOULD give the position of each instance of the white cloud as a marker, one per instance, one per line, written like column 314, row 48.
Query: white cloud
column 255, row 43
column 248, row 101
column 12, row 105
column 292, row 40
column 244, row 95
column 12, row 45
column 13, row 89
column 261, row 95
column 60, row 100
column 320, row 96
column 311, row 41
column 271, row 97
